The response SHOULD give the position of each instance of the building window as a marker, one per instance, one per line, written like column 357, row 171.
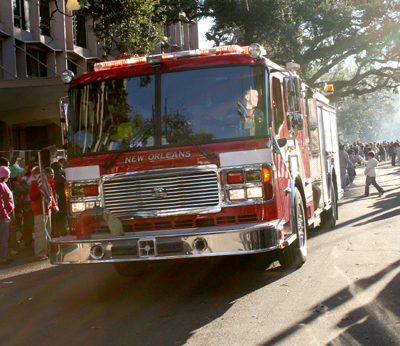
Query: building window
column 21, row 14
column 79, row 26
column 72, row 67
column 44, row 19
column 90, row 67
column 34, row 68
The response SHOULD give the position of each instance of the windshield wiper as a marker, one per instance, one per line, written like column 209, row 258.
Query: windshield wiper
column 208, row 154
column 134, row 142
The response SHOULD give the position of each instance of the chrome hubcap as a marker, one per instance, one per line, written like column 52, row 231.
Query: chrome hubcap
column 301, row 229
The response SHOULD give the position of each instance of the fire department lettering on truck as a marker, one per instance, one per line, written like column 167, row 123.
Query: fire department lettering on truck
column 157, row 156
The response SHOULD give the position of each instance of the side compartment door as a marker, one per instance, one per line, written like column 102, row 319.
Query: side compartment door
column 317, row 167
column 329, row 146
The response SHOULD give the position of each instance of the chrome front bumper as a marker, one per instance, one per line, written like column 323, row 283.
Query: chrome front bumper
column 167, row 244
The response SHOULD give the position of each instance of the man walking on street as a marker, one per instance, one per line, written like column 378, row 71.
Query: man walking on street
column 370, row 172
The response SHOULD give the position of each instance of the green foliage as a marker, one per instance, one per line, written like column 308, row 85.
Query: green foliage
column 320, row 35
column 372, row 117
column 323, row 36
column 127, row 27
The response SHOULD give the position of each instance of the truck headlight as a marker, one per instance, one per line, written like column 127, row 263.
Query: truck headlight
column 90, row 205
column 254, row 192
column 78, row 207
column 236, row 194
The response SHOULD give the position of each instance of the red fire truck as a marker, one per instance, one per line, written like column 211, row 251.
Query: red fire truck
column 195, row 154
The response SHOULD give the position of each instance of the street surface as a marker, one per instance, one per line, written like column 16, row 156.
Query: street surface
column 347, row 293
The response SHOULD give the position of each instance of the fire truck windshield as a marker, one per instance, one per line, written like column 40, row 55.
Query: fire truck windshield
column 209, row 104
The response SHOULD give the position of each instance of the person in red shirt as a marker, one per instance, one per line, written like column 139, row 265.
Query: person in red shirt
column 6, row 208
column 40, row 220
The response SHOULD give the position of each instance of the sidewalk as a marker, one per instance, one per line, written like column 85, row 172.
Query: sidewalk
column 24, row 255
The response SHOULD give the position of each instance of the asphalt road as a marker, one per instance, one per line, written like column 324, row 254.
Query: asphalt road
column 347, row 293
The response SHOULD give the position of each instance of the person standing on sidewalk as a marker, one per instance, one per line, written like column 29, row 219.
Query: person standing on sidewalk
column 393, row 152
column 351, row 168
column 397, row 153
column 344, row 163
column 6, row 209
column 370, row 173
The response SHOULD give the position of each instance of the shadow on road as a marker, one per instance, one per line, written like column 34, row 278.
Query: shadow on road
column 375, row 323
column 90, row 304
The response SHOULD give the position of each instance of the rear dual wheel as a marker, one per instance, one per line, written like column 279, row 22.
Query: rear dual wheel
column 330, row 216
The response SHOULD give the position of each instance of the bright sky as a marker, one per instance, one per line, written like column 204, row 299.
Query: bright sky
column 204, row 25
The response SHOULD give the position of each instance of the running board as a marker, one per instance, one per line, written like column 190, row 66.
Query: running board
column 314, row 222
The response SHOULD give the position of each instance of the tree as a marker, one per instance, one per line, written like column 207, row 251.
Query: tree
column 318, row 34
column 372, row 116
column 125, row 28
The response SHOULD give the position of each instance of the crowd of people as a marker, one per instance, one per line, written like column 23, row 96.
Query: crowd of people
column 368, row 154
column 32, row 203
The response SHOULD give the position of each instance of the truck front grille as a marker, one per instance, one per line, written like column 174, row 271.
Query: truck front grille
column 162, row 193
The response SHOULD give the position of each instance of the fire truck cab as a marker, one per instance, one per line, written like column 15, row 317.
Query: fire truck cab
column 195, row 154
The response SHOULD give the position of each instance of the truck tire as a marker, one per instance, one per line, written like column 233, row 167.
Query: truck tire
column 329, row 216
column 295, row 255
column 131, row 269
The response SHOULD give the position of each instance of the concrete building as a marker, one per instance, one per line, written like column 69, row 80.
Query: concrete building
column 35, row 49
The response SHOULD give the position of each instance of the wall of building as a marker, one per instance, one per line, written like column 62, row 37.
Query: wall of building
column 34, row 51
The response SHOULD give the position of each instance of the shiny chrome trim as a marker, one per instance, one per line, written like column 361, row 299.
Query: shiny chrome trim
column 74, row 199
column 162, row 192
column 220, row 240
column 94, row 252
column 147, row 247
column 290, row 239
column 200, row 244
column 248, row 167
column 163, row 196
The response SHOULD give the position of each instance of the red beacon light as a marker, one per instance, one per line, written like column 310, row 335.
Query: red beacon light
column 157, row 59
column 107, row 65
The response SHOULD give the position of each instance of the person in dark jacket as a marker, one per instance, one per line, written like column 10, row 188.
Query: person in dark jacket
column 393, row 152
column 48, row 155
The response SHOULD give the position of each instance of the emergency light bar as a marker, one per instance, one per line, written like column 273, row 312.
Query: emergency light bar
column 157, row 59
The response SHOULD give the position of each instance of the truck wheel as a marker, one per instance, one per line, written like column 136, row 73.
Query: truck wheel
column 329, row 216
column 295, row 255
column 136, row 269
